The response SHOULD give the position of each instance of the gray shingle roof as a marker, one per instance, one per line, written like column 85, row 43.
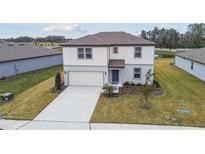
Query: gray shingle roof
column 197, row 55
column 116, row 63
column 108, row 39
column 14, row 51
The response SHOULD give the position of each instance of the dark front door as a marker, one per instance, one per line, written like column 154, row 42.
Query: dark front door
column 115, row 76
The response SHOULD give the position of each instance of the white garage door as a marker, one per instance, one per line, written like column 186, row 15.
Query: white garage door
column 86, row 78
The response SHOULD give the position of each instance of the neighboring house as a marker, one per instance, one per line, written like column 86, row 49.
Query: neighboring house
column 192, row 61
column 16, row 58
column 107, row 58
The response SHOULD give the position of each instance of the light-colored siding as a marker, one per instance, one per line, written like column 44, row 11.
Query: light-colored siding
column 185, row 64
column 102, row 69
column 70, row 57
column 128, row 73
column 101, row 56
column 26, row 65
column 127, row 53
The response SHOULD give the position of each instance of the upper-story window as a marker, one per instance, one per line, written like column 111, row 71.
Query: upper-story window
column 88, row 53
column 115, row 49
column 138, row 52
column 84, row 53
column 81, row 53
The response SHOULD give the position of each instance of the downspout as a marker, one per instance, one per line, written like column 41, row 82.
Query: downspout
column 108, row 74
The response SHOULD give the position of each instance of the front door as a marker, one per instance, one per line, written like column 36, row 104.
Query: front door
column 115, row 76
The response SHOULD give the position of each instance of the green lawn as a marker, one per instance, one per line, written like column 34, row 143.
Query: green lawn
column 28, row 104
column 22, row 82
column 59, row 49
column 32, row 93
column 180, row 90
column 166, row 54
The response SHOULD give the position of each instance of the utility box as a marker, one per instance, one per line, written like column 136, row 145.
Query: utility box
column 6, row 96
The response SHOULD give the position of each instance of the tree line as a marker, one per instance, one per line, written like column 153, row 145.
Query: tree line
column 50, row 38
column 194, row 37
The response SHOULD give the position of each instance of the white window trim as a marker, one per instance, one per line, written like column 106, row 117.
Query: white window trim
column 135, row 73
column 90, row 53
column 84, row 52
column 136, row 51
column 113, row 51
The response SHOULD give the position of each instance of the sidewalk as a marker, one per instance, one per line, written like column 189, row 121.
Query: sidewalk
column 59, row 125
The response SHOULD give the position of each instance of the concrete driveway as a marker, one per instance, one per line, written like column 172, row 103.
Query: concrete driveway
column 72, row 109
column 75, row 104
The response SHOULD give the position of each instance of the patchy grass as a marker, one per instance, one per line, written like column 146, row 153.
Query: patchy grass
column 59, row 49
column 22, row 82
column 180, row 90
column 32, row 101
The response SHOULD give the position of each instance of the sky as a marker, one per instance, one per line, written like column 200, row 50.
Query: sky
column 79, row 30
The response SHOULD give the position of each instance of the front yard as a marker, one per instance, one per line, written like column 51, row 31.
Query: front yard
column 180, row 90
column 32, row 93
column 22, row 82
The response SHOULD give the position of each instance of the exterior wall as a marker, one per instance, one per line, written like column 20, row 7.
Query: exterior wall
column 185, row 64
column 100, row 58
column 127, row 53
column 11, row 68
column 85, row 68
column 128, row 73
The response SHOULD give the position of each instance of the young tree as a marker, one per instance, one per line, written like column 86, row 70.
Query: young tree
column 147, row 90
column 58, row 81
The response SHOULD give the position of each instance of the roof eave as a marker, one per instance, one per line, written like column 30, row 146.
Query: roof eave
column 76, row 45
column 190, row 59
column 30, row 57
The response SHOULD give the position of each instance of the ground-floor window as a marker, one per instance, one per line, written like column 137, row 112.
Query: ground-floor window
column 137, row 73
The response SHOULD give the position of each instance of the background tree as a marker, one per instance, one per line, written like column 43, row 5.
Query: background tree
column 194, row 37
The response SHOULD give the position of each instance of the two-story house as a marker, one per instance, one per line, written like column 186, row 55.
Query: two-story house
column 107, row 58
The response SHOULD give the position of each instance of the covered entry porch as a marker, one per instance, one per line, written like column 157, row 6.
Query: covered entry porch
column 115, row 68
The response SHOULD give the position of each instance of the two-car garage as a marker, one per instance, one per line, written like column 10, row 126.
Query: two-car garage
column 86, row 78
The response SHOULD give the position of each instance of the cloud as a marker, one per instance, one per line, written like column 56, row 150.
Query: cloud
column 64, row 28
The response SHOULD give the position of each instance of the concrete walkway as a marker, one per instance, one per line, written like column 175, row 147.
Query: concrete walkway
column 112, row 126
column 12, row 124
column 52, row 125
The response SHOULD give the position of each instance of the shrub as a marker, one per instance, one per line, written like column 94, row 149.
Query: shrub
column 3, row 78
column 132, row 83
column 156, row 83
column 167, row 56
column 139, row 84
column 58, row 83
column 109, row 90
column 126, row 83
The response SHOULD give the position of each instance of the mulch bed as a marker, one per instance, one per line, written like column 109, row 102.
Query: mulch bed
column 54, row 90
column 135, row 89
